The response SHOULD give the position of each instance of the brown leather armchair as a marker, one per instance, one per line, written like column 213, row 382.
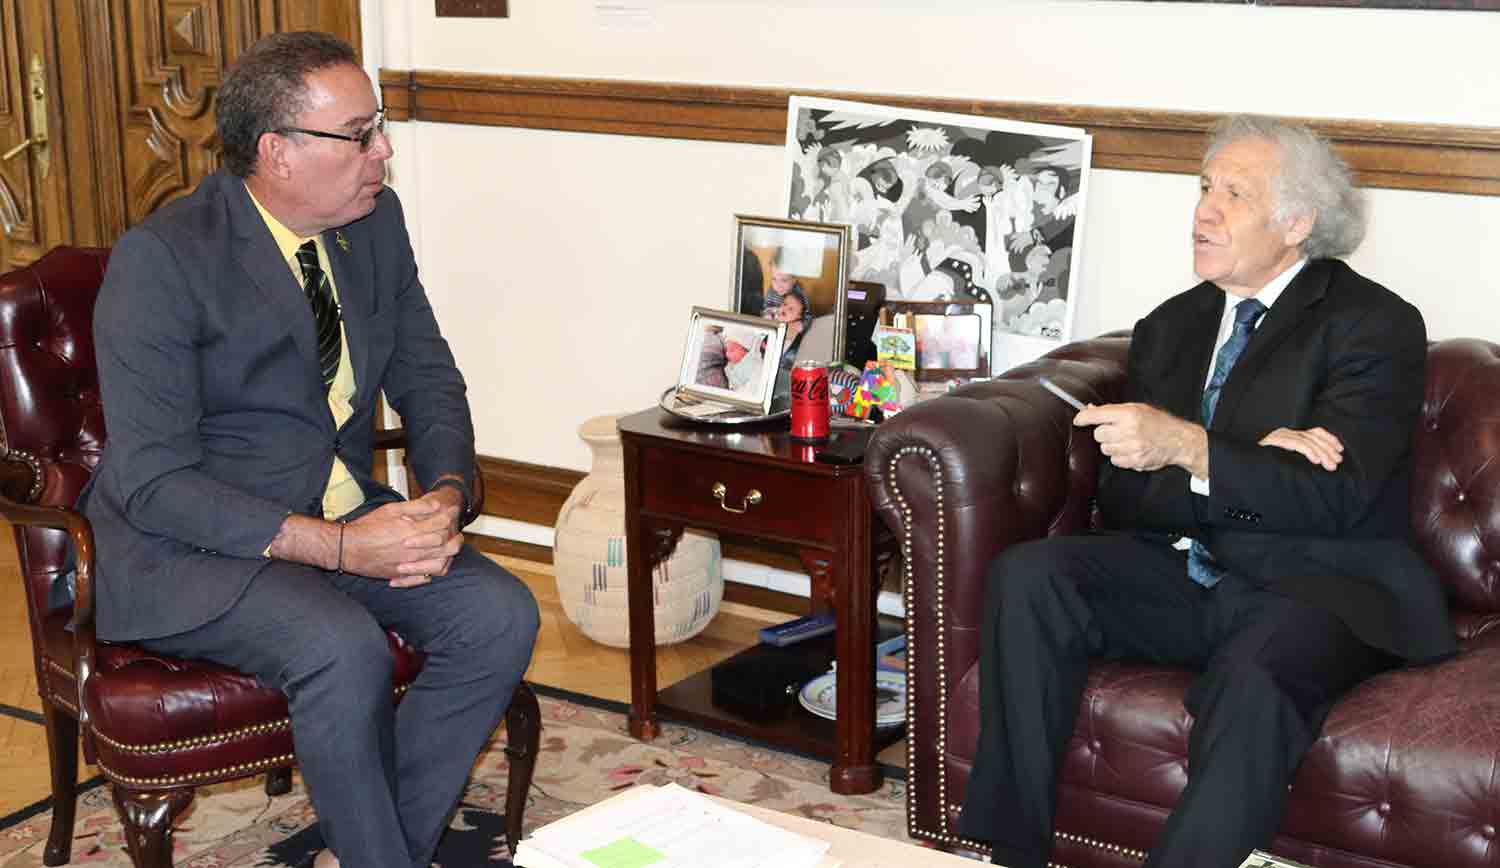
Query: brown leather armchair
column 1405, row 773
column 157, row 727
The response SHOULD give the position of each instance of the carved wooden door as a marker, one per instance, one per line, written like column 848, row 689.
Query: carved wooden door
column 106, row 106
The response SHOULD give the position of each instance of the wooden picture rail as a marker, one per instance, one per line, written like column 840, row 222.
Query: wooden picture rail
column 1434, row 157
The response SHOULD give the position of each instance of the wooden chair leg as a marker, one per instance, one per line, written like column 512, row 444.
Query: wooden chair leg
column 278, row 782
column 523, row 729
column 148, row 818
column 62, row 757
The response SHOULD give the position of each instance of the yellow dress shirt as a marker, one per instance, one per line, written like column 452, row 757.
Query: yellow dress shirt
column 342, row 493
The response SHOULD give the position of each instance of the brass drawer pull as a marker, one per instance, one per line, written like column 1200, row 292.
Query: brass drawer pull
column 751, row 499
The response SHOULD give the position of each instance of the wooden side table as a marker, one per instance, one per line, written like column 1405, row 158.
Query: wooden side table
column 758, row 482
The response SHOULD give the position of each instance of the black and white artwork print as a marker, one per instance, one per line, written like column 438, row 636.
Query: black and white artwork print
column 950, row 207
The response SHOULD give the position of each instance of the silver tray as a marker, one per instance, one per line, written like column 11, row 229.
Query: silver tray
column 781, row 408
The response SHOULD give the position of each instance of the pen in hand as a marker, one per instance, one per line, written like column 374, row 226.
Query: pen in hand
column 1059, row 392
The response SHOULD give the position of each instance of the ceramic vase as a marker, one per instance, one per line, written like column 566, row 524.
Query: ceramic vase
column 589, row 557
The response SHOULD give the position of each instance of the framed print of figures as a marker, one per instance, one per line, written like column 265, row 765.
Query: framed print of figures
column 943, row 205
column 731, row 359
column 793, row 272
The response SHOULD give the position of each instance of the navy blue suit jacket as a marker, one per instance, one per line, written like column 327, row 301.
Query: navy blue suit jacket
column 218, row 424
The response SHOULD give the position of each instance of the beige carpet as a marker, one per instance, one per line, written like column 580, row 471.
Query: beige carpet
column 586, row 756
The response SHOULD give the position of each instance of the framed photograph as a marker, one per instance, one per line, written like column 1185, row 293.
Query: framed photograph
column 795, row 273
column 952, row 337
column 944, row 205
column 731, row 359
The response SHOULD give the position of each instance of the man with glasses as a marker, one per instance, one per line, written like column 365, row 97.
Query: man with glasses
column 244, row 336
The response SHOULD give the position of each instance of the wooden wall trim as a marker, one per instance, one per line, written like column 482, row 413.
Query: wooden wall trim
column 1435, row 157
column 533, row 493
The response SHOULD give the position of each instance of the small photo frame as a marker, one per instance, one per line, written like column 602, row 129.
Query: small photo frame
column 896, row 347
column 731, row 358
column 952, row 337
column 794, row 272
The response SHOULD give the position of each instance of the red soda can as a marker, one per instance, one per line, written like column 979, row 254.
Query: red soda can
column 810, row 401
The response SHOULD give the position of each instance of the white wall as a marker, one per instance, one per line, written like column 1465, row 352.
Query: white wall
column 562, row 265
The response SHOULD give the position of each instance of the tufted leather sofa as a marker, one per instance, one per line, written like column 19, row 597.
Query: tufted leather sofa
column 157, row 727
column 1407, row 772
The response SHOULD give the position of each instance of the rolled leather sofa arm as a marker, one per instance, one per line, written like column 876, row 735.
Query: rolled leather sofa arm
column 957, row 479
column 960, row 477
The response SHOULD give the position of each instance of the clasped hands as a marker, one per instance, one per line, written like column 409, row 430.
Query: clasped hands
column 1140, row 437
column 408, row 542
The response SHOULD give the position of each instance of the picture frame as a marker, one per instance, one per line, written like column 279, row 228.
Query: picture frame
column 809, row 261
column 953, row 338
column 732, row 359
column 944, row 205
column 896, row 347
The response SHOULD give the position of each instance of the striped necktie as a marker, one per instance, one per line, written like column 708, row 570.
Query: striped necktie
column 1201, row 566
column 325, row 311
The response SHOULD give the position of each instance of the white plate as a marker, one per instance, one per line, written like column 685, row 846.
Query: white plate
column 818, row 697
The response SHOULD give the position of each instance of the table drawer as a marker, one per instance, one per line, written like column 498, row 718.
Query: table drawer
column 792, row 505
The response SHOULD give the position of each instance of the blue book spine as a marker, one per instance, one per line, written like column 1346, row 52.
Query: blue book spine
column 795, row 631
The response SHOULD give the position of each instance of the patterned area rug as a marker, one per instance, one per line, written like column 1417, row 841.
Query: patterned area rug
column 586, row 756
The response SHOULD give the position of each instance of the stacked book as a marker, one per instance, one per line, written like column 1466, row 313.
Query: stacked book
column 668, row 827
column 890, row 655
column 798, row 630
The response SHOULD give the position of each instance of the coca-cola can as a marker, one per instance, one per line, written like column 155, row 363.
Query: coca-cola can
column 810, row 401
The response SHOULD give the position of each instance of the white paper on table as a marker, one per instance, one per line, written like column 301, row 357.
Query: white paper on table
column 690, row 830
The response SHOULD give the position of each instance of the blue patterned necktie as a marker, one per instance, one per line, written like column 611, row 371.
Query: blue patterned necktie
column 325, row 312
column 1200, row 563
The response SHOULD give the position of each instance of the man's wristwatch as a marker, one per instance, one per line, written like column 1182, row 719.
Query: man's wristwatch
column 463, row 491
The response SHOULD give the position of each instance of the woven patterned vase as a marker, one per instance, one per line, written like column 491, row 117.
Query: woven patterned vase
column 588, row 555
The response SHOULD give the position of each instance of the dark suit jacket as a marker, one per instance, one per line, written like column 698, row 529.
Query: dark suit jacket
column 218, row 424
column 1337, row 351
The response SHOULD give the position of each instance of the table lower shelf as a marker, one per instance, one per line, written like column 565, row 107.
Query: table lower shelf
column 691, row 701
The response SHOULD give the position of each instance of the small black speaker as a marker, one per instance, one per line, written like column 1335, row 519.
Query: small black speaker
column 761, row 685
column 863, row 300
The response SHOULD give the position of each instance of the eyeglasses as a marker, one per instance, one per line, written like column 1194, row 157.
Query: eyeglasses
column 363, row 138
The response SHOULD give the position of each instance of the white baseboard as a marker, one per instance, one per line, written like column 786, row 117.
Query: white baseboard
column 517, row 531
column 739, row 572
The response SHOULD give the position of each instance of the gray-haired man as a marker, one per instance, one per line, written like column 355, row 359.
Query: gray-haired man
column 1255, row 500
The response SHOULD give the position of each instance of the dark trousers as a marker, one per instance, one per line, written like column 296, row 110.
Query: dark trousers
column 383, row 779
column 1269, row 670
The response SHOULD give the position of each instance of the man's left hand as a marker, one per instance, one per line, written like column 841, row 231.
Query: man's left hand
column 448, row 502
column 1318, row 445
column 1141, row 437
